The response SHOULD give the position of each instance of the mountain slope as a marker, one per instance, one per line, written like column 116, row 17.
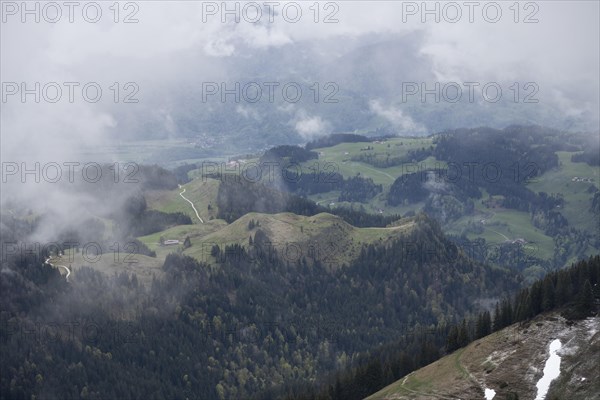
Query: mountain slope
column 202, row 192
column 542, row 196
column 237, row 331
column 511, row 362
column 295, row 236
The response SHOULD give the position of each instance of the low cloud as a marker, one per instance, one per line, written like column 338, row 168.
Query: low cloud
column 248, row 112
column 310, row 126
column 401, row 121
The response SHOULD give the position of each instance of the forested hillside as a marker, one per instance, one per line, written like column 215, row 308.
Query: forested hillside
column 573, row 293
column 254, row 324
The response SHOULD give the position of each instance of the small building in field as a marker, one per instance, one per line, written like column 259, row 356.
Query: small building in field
column 170, row 242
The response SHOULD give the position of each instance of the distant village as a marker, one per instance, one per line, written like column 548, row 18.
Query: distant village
column 582, row 179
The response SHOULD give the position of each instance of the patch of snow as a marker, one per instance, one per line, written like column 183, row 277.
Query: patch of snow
column 489, row 394
column 551, row 370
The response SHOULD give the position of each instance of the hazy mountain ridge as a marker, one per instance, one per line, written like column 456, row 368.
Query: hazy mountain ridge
column 369, row 95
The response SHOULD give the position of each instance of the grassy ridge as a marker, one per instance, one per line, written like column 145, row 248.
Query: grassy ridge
column 114, row 261
column 340, row 155
column 577, row 199
column 501, row 224
column 336, row 241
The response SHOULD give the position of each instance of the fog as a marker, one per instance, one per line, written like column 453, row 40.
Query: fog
column 368, row 50
column 176, row 46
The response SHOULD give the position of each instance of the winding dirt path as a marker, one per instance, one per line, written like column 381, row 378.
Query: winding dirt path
column 506, row 238
column 378, row 172
column 325, row 200
column 484, row 220
column 59, row 266
column 192, row 204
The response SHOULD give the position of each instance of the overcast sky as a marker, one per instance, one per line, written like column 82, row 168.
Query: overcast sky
column 175, row 43
column 174, row 46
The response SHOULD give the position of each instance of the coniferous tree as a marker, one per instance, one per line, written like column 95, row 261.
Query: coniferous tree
column 463, row 334
column 524, row 310
column 479, row 327
column 585, row 300
column 563, row 289
column 536, row 297
column 497, row 325
column 548, row 295
column 484, row 325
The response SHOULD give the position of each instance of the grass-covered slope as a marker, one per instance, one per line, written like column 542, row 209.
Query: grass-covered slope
column 202, row 192
column 335, row 241
column 511, row 362
column 533, row 162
